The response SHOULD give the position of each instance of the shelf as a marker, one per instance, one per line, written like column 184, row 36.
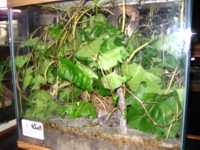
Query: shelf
column 134, row 2
column 29, row 146
column 193, row 137
column 7, row 125
column 18, row 3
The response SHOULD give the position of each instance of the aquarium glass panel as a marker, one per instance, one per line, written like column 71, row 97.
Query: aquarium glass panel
column 113, row 64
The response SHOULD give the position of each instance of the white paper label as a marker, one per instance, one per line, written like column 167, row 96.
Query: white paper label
column 32, row 129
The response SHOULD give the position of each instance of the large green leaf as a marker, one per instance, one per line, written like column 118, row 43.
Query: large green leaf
column 37, row 81
column 90, row 51
column 22, row 60
column 80, row 109
column 138, row 76
column 86, row 70
column 111, row 58
column 111, row 42
column 70, row 71
column 112, row 81
column 162, row 108
column 96, row 19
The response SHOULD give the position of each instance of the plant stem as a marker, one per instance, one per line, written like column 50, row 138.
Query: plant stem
column 182, row 14
column 46, row 69
column 171, row 80
column 123, row 15
column 137, row 50
column 77, row 18
column 169, row 130
column 20, row 95
column 65, row 84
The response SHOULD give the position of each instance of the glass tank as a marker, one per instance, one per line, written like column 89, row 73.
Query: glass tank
column 6, row 96
column 112, row 64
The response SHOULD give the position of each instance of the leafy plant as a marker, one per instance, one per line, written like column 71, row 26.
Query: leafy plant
column 3, row 70
column 72, row 72
column 41, row 105
column 79, row 109
column 84, row 58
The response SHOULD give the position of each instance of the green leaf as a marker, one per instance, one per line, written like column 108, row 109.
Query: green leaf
column 63, row 50
column 70, row 71
column 43, row 65
column 28, row 77
column 69, row 94
column 55, row 31
column 30, row 42
column 90, row 51
column 111, row 42
column 162, row 108
column 36, row 44
column 41, row 106
column 37, row 81
column 86, row 70
column 97, row 30
column 138, row 76
column 51, row 75
column 111, row 58
column 101, row 89
column 112, row 81
column 80, row 109
column 22, row 60
column 180, row 93
column 98, row 18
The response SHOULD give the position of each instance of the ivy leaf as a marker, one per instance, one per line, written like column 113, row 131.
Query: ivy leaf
column 35, row 43
column 90, row 51
column 51, row 75
column 97, row 19
column 43, row 65
column 55, row 31
column 30, row 42
column 136, row 76
column 80, row 109
column 112, row 81
column 86, row 70
column 63, row 50
column 22, row 60
column 37, row 81
column 162, row 108
column 97, row 30
column 69, row 94
column 28, row 78
column 111, row 42
column 101, row 89
column 111, row 58
column 70, row 71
